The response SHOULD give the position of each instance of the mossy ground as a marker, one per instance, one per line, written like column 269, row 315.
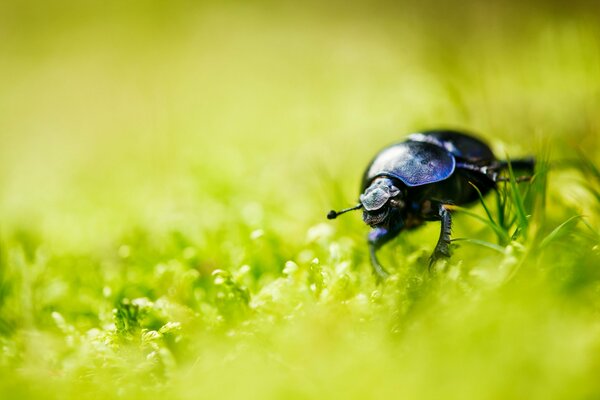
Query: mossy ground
column 166, row 168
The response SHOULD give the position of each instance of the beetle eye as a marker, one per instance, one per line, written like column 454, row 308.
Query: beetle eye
column 396, row 203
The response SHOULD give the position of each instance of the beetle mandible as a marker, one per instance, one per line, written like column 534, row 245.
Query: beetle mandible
column 419, row 180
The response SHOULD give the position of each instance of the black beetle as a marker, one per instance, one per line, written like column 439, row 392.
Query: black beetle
column 419, row 180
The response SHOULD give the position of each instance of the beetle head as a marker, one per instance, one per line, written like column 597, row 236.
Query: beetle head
column 376, row 200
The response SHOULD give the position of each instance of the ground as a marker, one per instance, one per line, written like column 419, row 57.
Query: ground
column 166, row 169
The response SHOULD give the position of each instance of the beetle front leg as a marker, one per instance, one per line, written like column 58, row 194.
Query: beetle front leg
column 442, row 248
column 377, row 238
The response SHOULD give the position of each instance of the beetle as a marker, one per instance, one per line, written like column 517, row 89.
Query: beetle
column 420, row 179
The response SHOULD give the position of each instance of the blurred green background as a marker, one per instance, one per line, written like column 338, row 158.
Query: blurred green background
column 166, row 168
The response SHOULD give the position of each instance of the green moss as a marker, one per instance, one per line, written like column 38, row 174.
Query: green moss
column 165, row 172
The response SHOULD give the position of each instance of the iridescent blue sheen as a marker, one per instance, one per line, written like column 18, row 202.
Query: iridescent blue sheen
column 460, row 145
column 414, row 163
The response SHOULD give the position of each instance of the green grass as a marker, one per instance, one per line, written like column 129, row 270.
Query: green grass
column 166, row 169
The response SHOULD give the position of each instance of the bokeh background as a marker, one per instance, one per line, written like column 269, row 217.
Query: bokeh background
column 145, row 145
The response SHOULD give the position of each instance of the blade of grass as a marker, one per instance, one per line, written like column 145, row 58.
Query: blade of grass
column 557, row 231
column 487, row 211
column 499, row 231
column 540, row 186
column 500, row 204
column 587, row 164
column 515, row 235
column 481, row 243
column 517, row 200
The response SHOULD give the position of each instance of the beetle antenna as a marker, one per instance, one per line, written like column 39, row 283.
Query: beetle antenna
column 334, row 214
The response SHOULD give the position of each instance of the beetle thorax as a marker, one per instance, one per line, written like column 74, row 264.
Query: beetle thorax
column 377, row 198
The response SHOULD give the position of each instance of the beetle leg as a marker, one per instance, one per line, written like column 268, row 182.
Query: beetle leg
column 377, row 238
column 442, row 248
column 524, row 178
column 493, row 171
column 520, row 163
column 490, row 171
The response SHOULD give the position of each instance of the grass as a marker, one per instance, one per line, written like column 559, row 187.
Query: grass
column 166, row 169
